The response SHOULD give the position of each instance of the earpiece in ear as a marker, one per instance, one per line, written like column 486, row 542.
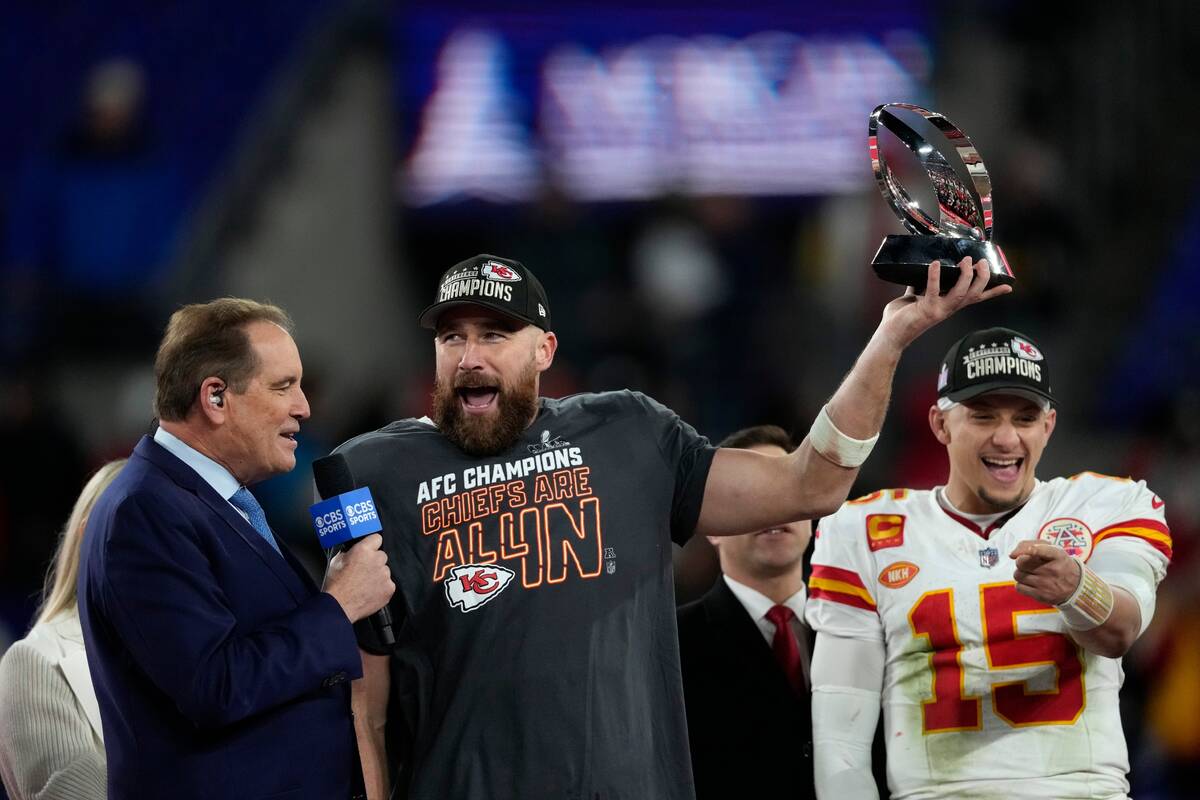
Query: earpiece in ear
column 216, row 399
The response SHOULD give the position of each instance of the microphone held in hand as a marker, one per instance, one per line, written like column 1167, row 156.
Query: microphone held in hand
column 345, row 514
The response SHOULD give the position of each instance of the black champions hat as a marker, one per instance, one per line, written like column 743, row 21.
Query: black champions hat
column 498, row 283
column 994, row 360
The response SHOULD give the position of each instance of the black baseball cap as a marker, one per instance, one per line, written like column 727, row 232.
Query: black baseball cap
column 501, row 284
column 994, row 360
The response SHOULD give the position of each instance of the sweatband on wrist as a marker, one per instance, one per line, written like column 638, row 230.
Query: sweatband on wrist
column 836, row 446
column 1090, row 605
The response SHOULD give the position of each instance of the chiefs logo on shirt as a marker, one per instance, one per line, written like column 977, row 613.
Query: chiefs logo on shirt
column 470, row 586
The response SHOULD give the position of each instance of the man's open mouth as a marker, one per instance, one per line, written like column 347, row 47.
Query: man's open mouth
column 1005, row 470
column 478, row 398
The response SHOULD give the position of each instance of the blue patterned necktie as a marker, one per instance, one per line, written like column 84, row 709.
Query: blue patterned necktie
column 245, row 502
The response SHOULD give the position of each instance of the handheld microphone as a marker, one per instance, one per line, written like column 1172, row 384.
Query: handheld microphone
column 344, row 515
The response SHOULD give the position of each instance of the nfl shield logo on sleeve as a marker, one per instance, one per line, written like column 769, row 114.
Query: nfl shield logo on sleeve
column 989, row 557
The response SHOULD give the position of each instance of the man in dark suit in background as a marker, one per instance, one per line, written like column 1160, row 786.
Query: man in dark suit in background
column 744, row 654
column 219, row 666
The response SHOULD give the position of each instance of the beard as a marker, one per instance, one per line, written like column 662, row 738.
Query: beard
column 1000, row 504
column 516, row 406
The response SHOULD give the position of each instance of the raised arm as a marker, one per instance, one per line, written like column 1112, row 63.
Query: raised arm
column 748, row 491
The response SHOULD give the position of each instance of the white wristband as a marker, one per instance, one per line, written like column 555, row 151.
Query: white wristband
column 836, row 446
column 1090, row 605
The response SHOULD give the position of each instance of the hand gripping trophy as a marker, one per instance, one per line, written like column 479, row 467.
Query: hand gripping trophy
column 964, row 223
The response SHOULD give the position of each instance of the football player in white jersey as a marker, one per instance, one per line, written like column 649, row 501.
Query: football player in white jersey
column 988, row 616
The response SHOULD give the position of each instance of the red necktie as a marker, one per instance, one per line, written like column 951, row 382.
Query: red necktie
column 787, row 652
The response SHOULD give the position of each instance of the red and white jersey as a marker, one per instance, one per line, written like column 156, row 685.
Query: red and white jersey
column 984, row 695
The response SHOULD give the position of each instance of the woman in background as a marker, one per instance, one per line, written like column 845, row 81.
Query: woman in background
column 51, row 745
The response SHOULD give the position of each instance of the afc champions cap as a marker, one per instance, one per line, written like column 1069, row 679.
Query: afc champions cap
column 501, row 284
column 994, row 360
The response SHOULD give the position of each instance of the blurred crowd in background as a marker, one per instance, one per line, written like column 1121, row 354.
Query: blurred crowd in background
column 160, row 154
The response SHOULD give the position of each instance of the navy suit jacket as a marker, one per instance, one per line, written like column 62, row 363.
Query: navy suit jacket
column 220, row 668
column 750, row 733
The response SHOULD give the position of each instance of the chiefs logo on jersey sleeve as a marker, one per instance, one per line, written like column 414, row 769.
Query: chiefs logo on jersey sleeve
column 471, row 585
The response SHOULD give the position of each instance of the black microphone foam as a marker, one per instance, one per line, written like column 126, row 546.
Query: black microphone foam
column 333, row 476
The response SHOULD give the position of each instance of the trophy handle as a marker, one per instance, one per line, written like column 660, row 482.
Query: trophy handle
column 955, row 220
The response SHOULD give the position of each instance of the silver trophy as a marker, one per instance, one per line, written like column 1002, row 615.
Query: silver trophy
column 964, row 224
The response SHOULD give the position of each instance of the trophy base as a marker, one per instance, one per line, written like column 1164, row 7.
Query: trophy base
column 906, row 259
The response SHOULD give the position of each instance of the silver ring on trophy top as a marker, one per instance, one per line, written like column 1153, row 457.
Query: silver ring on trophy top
column 964, row 210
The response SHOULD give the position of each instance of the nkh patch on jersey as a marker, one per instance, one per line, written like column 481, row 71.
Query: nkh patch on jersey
column 471, row 585
column 897, row 575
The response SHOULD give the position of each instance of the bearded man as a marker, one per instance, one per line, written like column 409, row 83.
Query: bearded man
column 529, row 538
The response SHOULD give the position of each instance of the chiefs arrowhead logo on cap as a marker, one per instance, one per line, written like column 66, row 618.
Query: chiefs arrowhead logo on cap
column 1025, row 349
column 499, row 272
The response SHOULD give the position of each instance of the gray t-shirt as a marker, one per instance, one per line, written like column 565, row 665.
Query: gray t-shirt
column 536, row 652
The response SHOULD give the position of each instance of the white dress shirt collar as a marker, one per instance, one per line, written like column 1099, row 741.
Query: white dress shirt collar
column 758, row 604
column 215, row 475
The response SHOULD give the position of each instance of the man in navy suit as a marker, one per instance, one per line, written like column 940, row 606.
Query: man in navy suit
column 744, row 652
column 220, row 668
